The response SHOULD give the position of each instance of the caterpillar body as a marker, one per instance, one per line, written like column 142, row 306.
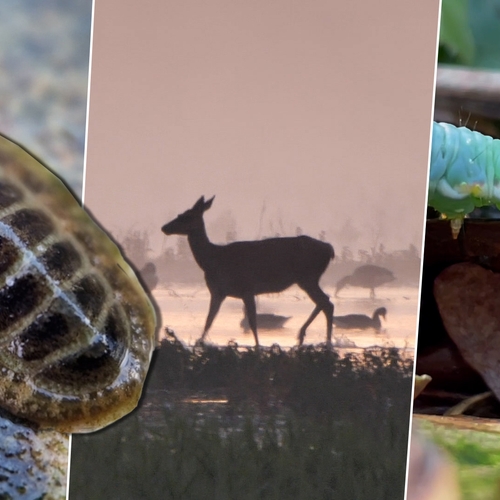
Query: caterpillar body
column 464, row 172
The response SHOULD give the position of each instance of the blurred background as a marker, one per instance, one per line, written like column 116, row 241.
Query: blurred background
column 44, row 61
column 44, row 56
column 468, row 77
column 452, row 412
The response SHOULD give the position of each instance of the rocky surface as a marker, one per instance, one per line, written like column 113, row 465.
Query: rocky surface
column 44, row 55
column 33, row 464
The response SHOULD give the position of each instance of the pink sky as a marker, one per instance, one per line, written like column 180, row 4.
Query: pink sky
column 321, row 110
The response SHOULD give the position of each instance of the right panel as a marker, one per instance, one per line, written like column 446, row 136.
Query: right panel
column 459, row 342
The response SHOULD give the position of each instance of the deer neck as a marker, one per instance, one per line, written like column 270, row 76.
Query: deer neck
column 202, row 248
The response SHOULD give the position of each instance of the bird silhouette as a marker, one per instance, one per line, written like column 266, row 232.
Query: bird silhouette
column 361, row 321
column 149, row 276
column 367, row 276
column 265, row 321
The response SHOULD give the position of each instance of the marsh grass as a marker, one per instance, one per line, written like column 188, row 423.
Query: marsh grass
column 304, row 424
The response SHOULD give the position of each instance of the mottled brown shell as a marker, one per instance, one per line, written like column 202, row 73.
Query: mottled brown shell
column 76, row 329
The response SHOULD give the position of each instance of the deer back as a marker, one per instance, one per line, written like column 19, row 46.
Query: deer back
column 268, row 265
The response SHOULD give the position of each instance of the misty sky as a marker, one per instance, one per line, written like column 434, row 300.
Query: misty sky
column 320, row 111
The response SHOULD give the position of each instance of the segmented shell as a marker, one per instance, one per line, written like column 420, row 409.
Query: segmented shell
column 76, row 328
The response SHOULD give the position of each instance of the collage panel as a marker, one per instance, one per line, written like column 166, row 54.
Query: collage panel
column 281, row 335
column 456, row 409
column 44, row 60
column 245, row 158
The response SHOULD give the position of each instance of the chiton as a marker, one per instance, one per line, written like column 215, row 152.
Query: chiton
column 77, row 330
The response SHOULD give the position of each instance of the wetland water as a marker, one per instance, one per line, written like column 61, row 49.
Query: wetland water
column 276, row 425
column 184, row 310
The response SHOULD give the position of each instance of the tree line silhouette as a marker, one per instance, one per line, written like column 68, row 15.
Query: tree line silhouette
column 175, row 264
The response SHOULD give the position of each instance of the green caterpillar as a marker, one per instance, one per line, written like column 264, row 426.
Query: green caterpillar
column 464, row 172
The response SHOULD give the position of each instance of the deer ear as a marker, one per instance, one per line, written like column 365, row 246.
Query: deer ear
column 199, row 204
column 208, row 203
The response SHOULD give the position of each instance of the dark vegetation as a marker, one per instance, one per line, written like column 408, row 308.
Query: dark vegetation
column 309, row 423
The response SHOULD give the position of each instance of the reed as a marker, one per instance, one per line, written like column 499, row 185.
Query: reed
column 306, row 423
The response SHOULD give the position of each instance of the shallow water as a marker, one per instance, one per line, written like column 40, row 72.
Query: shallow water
column 184, row 309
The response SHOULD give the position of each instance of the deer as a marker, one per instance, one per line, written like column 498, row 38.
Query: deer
column 244, row 269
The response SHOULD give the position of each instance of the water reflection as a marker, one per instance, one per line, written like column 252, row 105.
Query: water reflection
column 184, row 309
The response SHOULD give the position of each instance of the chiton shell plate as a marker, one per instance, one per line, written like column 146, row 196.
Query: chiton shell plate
column 76, row 328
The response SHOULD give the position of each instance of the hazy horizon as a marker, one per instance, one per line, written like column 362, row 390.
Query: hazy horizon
column 318, row 112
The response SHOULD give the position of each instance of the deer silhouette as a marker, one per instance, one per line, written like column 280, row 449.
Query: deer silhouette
column 244, row 269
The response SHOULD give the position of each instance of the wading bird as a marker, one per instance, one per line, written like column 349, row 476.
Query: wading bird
column 367, row 276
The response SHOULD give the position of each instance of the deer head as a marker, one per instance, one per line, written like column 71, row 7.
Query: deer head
column 190, row 219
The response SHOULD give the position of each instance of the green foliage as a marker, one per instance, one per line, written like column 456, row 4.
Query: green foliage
column 456, row 42
column 468, row 453
column 477, row 456
column 484, row 21
column 470, row 33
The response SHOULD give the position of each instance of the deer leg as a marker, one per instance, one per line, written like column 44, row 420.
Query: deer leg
column 324, row 304
column 215, row 303
column 251, row 310
column 372, row 293
column 328, row 310
column 302, row 331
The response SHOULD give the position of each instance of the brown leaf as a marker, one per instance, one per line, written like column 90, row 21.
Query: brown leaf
column 468, row 298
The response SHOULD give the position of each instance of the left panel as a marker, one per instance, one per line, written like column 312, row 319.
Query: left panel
column 44, row 60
